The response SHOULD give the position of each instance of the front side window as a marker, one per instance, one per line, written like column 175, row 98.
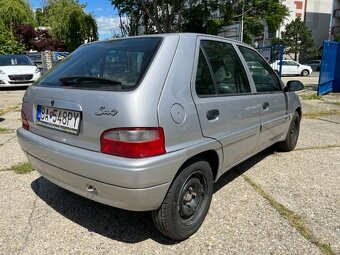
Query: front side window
column 263, row 75
column 108, row 65
column 219, row 71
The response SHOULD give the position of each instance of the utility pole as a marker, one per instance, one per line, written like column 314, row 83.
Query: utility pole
column 241, row 33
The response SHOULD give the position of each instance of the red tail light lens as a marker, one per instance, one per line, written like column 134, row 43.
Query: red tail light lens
column 25, row 124
column 133, row 142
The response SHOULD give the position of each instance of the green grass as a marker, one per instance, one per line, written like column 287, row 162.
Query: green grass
column 10, row 109
column 293, row 218
column 5, row 130
column 22, row 168
column 318, row 114
column 337, row 103
column 330, row 146
column 311, row 97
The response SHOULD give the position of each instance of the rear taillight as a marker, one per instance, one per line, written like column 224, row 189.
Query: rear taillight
column 133, row 142
column 24, row 120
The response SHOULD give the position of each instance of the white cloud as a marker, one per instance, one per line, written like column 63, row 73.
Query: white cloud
column 107, row 26
column 99, row 9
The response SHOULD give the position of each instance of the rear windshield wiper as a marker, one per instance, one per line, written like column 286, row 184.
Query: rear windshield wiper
column 86, row 80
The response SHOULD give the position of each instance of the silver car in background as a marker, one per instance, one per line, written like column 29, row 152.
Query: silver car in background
column 149, row 123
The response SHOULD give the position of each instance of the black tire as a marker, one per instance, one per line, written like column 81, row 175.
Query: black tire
column 186, row 203
column 292, row 136
column 305, row 72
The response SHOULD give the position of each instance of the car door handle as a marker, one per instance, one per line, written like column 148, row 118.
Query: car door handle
column 265, row 106
column 213, row 114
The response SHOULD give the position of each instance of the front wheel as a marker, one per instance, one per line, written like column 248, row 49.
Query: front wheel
column 293, row 134
column 186, row 203
column 305, row 72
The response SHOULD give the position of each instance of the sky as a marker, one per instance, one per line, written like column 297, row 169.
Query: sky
column 103, row 12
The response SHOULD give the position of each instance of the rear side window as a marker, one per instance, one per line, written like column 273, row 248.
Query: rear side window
column 219, row 70
column 108, row 65
column 263, row 75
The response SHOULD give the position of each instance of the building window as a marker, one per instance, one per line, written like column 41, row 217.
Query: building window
column 336, row 13
column 298, row 15
column 298, row 5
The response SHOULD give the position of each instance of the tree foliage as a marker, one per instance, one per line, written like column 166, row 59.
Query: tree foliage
column 36, row 39
column 204, row 16
column 297, row 38
column 8, row 43
column 70, row 23
column 15, row 12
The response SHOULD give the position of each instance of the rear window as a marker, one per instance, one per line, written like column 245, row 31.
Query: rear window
column 108, row 65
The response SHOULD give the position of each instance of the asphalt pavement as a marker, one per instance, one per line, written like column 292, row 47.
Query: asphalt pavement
column 274, row 203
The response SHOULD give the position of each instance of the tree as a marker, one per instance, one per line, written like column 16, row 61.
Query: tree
column 202, row 16
column 337, row 38
column 15, row 12
column 70, row 23
column 36, row 39
column 163, row 15
column 297, row 38
column 198, row 18
column 8, row 43
column 41, row 17
column 256, row 15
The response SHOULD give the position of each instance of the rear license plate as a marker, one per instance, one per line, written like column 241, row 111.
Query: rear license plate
column 59, row 119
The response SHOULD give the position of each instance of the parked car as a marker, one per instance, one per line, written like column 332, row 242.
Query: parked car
column 314, row 64
column 291, row 67
column 149, row 123
column 17, row 70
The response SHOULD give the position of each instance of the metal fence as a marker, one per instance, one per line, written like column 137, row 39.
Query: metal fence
column 329, row 79
column 274, row 56
column 46, row 59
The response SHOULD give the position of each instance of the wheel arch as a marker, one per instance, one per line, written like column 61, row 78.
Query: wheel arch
column 211, row 156
column 302, row 72
column 299, row 111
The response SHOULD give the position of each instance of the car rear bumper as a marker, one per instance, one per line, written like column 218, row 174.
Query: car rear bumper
column 132, row 184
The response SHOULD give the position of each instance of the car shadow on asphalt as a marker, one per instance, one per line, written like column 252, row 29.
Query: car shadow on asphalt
column 117, row 224
column 240, row 169
column 13, row 88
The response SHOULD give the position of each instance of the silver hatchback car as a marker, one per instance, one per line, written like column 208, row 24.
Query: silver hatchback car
column 150, row 123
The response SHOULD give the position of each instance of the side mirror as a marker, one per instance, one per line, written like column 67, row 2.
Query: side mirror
column 294, row 86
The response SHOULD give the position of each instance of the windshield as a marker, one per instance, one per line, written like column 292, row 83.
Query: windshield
column 15, row 60
column 108, row 65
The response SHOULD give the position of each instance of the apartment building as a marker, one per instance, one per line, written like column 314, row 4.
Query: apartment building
column 315, row 13
column 335, row 22
column 317, row 18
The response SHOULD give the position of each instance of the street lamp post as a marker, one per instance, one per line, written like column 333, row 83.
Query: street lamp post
column 241, row 33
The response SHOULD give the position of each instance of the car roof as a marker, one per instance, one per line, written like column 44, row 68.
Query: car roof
column 185, row 35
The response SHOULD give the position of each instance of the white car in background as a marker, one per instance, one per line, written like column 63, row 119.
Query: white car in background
column 291, row 67
column 17, row 70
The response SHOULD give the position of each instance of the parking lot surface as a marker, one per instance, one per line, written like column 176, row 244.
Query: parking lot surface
column 274, row 203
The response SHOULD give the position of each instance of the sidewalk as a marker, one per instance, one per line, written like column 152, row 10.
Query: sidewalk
column 325, row 107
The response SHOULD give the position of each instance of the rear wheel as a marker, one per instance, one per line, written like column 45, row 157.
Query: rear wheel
column 186, row 203
column 293, row 134
column 305, row 72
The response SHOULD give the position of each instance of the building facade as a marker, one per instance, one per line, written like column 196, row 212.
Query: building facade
column 315, row 13
column 335, row 21
column 317, row 19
